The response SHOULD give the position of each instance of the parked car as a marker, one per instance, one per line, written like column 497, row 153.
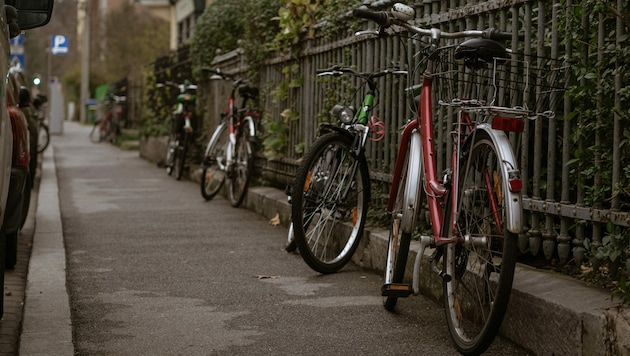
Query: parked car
column 15, row 16
column 19, row 191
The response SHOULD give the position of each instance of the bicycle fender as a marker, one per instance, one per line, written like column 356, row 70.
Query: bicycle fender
column 326, row 128
column 514, row 207
column 215, row 136
column 251, row 127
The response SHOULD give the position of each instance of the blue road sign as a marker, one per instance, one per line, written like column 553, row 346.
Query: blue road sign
column 17, row 60
column 17, row 40
column 59, row 44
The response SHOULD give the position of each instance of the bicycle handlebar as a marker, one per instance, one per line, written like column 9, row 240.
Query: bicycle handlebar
column 385, row 19
column 224, row 76
column 182, row 87
column 339, row 70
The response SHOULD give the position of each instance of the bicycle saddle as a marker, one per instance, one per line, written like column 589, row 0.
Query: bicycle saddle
column 478, row 50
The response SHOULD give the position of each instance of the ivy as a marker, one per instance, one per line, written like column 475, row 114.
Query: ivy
column 593, row 93
column 218, row 29
column 155, row 109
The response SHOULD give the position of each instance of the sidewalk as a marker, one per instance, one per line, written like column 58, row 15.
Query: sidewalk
column 548, row 313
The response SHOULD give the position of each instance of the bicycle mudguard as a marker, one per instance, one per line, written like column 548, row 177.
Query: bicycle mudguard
column 251, row 127
column 326, row 128
column 513, row 208
column 215, row 136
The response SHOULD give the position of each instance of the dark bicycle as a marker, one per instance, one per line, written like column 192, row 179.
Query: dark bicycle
column 182, row 122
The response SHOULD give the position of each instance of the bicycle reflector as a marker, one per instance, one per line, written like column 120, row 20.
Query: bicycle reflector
column 345, row 114
column 514, row 180
column 508, row 124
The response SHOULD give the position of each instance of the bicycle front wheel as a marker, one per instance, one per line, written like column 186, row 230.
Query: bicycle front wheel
column 213, row 174
column 481, row 265
column 179, row 160
column 329, row 203
column 240, row 171
column 43, row 138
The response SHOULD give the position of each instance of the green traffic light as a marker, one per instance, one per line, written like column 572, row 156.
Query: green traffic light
column 37, row 81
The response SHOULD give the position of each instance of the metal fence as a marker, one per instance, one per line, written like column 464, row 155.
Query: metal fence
column 574, row 165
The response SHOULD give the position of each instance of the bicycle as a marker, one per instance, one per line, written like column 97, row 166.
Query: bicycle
column 475, row 207
column 229, row 154
column 43, row 130
column 331, row 192
column 181, row 133
column 108, row 127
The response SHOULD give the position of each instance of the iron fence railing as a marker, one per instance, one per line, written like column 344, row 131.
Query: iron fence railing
column 558, row 196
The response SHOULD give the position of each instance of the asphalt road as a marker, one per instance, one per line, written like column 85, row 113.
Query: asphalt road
column 154, row 269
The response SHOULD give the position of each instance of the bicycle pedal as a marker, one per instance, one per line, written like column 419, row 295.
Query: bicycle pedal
column 396, row 290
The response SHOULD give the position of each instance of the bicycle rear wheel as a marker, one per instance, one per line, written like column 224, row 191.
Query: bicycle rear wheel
column 240, row 171
column 179, row 160
column 404, row 216
column 44, row 137
column 481, row 265
column 213, row 174
column 329, row 203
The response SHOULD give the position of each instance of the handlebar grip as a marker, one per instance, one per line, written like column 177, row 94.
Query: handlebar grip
column 495, row 34
column 380, row 17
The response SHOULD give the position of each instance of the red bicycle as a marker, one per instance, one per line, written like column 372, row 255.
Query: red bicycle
column 474, row 206
column 229, row 154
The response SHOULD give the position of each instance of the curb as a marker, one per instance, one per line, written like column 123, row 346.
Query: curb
column 47, row 327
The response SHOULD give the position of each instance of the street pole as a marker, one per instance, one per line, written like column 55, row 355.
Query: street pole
column 85, row 60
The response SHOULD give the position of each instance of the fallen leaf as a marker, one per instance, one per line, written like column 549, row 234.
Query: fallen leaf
column 275, row 221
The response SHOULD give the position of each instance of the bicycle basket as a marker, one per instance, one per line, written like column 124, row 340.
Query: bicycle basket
column 529, row 85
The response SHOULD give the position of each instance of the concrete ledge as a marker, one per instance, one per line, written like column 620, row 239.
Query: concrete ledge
column 153, row 149
column 549, row 313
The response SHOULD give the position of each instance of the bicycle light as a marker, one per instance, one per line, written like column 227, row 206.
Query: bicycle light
column 345, row 114
column 403, row 12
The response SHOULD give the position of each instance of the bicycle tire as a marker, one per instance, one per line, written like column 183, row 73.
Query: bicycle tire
column 213, row 174
column 180, row 156
column 475, row 298
column 43, row 139
column 327, row 230
column 403, row 225
column 240, row 170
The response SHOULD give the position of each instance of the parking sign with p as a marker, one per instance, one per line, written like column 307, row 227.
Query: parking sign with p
column 59, row 44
